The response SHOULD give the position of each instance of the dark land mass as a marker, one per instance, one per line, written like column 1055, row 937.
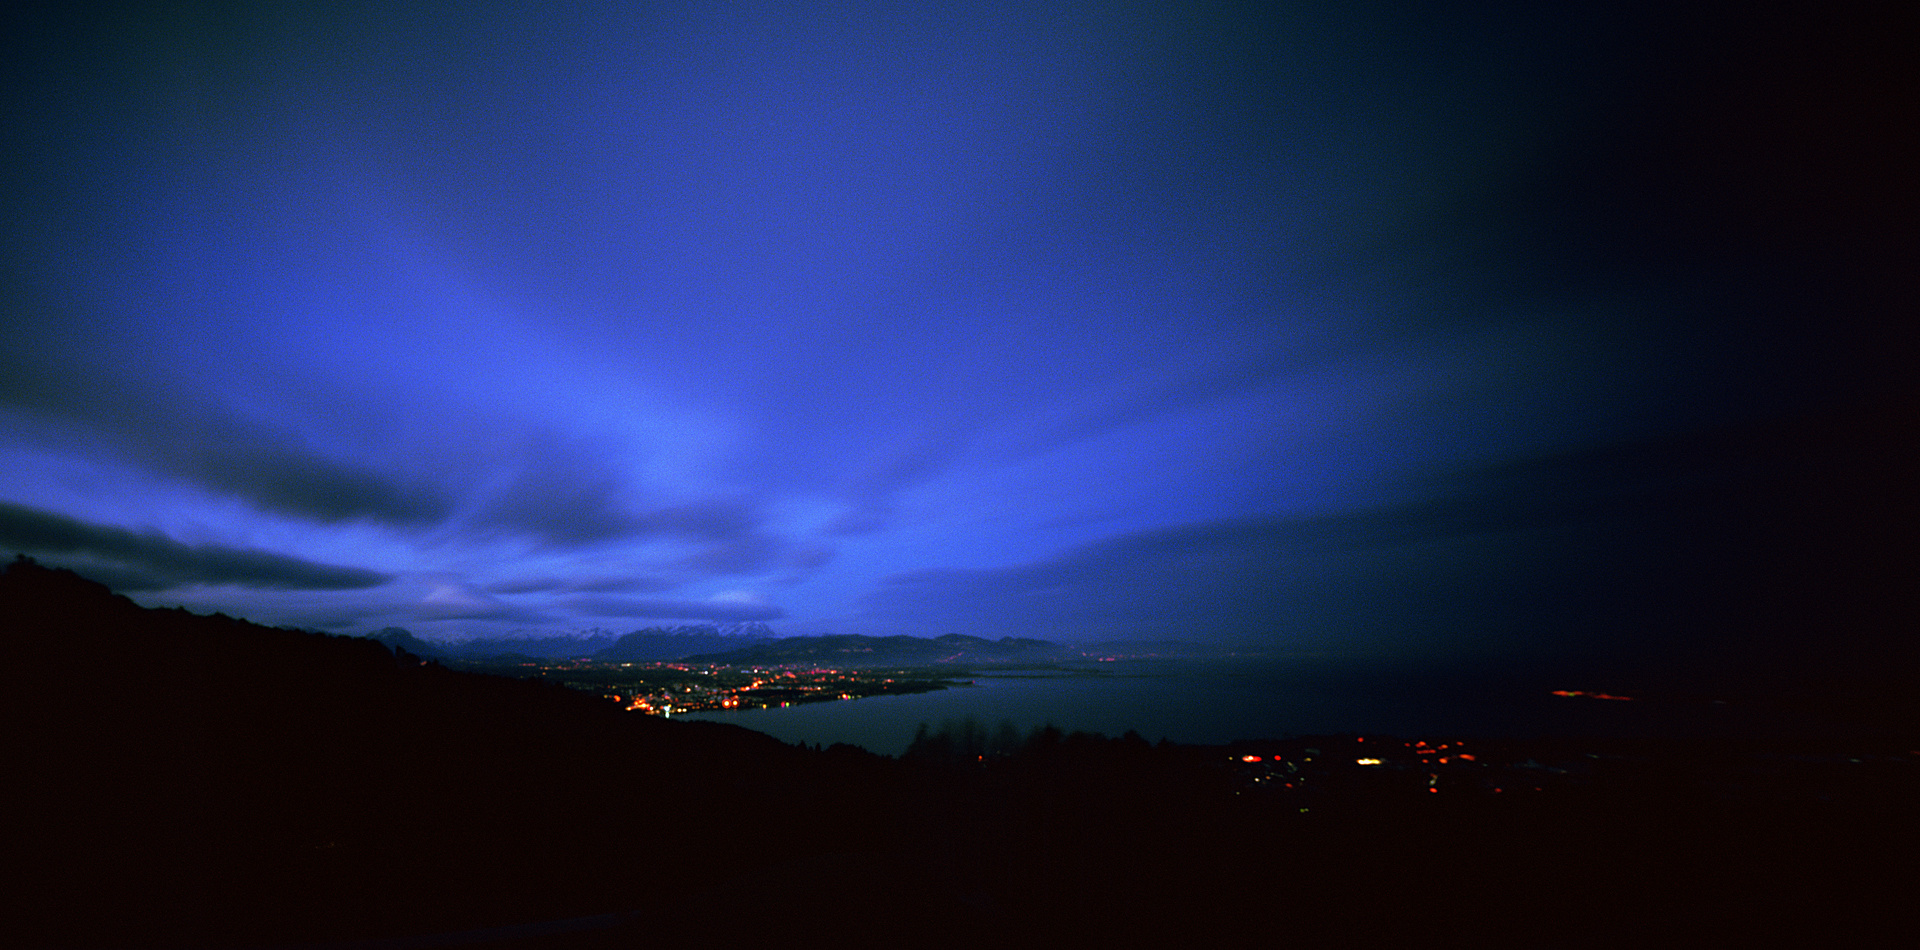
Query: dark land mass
column 185, row 780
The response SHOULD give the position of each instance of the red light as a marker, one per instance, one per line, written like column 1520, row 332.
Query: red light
column 1249, row 758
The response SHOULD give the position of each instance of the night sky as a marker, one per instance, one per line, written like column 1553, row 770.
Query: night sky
column 1478, row 332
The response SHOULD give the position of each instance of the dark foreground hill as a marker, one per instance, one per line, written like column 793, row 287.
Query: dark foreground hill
column 200, row 781
column 195, row 781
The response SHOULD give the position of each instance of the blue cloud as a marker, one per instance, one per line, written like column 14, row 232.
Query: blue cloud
column 151, row 561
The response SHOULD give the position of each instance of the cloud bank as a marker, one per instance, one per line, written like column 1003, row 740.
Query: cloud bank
column 149, row 561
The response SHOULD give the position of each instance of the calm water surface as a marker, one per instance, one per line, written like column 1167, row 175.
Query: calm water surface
column 1200, row 703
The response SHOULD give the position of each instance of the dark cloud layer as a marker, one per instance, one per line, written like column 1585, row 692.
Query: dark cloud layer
column 1270, row 583
column 152, row 561
column 568, row 493
column 588, row 585
column 1745, row 171
column 175, row 432
column 720, row 611
column 1478, row 329
column 1712, row 554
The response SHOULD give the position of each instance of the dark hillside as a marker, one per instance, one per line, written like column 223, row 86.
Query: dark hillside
column 217, row 781
column 202, row 781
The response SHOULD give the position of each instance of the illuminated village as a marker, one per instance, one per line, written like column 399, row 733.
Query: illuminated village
column 665, row 689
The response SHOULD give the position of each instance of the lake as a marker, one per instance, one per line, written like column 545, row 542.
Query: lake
column 1211, row 703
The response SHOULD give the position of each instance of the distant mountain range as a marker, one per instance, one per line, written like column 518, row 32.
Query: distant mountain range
column 653, row 644
column 673, row 643
column 856, row 650
column 1158, row 650
column 751, row 644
